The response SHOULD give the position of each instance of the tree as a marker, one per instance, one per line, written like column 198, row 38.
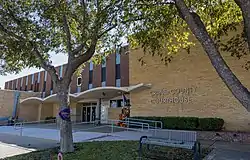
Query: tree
column 31, row 30
column 168, row 24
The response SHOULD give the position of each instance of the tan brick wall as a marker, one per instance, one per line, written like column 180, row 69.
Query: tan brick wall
column 113, row 113
column 210, row 99
column 29, row 112
column 47, row 110
column 7, row 101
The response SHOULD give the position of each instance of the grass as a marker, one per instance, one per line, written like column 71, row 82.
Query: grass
column 113, row 150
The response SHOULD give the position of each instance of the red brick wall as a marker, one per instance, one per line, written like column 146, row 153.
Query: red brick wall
column 73, row 84
column 35, row 85
column 124, row 67
column 48, row 84
column 41, row 81
column 14, row 83
column 18, row 83
column 10, row 85
column 6, row 85
column 97, row 76
column 85, row 77
column 29, row 82
column 110, row 70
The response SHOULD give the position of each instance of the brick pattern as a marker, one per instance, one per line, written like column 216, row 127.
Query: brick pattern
column 7, row 101
column 211, row 97
column 124, row 67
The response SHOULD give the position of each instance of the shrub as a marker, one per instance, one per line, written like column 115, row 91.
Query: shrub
column 47, row 119
column 188, row 123
column 211, row 124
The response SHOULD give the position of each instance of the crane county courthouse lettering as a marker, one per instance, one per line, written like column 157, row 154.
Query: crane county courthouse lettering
column 188, row 86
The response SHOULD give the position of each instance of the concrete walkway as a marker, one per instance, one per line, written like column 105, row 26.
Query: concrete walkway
column 36, row 138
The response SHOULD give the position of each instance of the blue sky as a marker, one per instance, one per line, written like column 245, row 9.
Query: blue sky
column 57, row 59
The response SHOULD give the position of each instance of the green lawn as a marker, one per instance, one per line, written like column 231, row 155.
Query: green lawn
column 114, row 150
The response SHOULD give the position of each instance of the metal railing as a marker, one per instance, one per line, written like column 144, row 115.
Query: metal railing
column 128, row 125
column 22, row 124
column 154, row 122
column 149, row 121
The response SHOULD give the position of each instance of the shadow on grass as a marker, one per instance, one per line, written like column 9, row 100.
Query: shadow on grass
column 112, row 150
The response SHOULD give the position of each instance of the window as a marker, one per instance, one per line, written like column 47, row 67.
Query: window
column 117, row 71
column 104, row 84
column 118, row 82
column 44, row 86
column 90, row 77
column 45, row 76
column 103, row 76
column 32, row 79
column 117, row 103
column 43, row 94
column 91, row 65
column 39, row 76
column 117, row 57
column 12, row 85
column 27, row 79
column 90, row 86
column 78, row 89
column 52, row 85
column 79, row 81
column 117, row 75
column 16, row 83
column 61, row 71
column 21, row 81
column 104, row 63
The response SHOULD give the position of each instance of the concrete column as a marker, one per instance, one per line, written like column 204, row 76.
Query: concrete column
column 39, row 112
column 73, row 113
column 98, row 111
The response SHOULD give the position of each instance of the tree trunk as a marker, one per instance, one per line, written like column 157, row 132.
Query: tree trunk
column 245, row 9
column 66, row 137
column 198, row 29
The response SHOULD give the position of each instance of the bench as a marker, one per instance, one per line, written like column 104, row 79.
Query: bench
column 172, row 138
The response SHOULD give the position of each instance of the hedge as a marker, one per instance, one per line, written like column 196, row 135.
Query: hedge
column 188, row 123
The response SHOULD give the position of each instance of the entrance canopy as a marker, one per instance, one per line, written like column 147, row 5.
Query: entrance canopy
column 95, row 93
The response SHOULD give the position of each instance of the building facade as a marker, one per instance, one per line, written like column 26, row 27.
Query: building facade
column 114, row 72
column 188, row 86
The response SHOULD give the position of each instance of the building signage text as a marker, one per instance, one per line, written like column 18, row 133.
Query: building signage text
column 177, row 95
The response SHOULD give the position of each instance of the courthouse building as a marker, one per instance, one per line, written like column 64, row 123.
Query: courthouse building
column 188, row 86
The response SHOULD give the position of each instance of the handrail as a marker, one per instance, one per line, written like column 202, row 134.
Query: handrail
column 126, row 122
column 21, row 127
column 145, row 120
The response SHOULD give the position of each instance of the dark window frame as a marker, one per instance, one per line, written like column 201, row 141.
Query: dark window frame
column 103, row 74
column 117, row 71
column 90, row 76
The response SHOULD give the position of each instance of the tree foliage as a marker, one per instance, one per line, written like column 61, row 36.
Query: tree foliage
column 31, row 30
column 165, row 33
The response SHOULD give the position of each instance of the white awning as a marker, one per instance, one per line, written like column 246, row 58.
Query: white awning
column 95, row 93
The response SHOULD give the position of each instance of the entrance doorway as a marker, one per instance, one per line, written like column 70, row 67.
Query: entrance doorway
column 89, row 112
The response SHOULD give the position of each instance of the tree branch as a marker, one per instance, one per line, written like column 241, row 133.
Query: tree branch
column 45, row 64
column 66, row 28
column 245, row 9
column 48, row 67
column 199, row 30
